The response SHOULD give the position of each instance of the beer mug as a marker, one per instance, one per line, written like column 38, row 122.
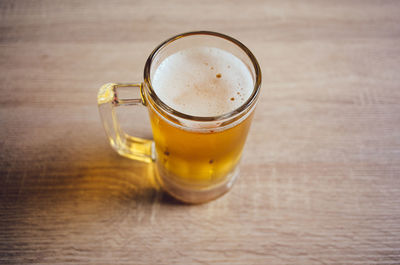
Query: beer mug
column 200, row 90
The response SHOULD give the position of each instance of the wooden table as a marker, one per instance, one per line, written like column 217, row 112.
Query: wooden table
column 320, row 176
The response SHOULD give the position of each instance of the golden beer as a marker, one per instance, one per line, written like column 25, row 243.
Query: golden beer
column 197, row 159
column 201, row 81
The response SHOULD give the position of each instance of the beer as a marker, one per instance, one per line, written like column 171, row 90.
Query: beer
column 200, row 89
column 203, row 82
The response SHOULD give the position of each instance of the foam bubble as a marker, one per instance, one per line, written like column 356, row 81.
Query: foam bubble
column 203, row 81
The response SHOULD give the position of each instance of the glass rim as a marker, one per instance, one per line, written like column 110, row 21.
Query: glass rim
column 174, row 113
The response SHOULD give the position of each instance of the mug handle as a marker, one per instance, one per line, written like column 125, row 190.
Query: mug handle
column 126, row 145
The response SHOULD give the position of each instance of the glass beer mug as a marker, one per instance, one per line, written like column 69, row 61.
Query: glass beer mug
column 200, row 89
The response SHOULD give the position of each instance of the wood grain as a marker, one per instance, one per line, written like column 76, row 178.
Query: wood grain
column 320, row 174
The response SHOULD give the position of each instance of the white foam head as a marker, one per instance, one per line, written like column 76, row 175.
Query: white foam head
column 203, row 81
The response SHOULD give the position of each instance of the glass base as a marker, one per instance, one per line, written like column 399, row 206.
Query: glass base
column 196, row 195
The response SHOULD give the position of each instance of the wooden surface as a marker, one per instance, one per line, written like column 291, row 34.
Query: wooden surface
column 320, row 176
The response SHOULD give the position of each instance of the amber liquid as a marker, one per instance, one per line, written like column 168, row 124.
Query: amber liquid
column 197, row 159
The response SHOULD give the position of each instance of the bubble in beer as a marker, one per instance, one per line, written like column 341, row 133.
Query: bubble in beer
column 184, row 81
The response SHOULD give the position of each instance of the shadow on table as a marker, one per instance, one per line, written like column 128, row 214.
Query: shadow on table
column 78, row 178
